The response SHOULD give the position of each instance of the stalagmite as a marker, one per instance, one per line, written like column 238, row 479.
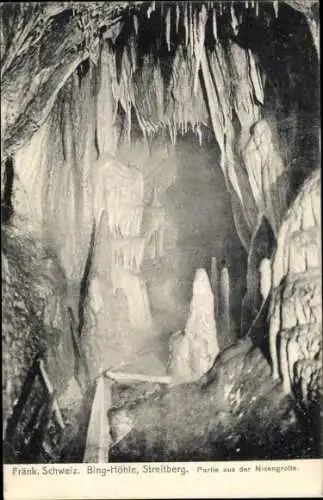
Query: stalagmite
column 192, row 353
column 225, row 299
column 265, row 277
column 214, row 285
column 284, row 361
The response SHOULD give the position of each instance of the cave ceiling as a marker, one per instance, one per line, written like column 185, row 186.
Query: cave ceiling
column 42, row 44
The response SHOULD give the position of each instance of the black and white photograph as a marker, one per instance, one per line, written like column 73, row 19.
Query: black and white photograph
column 161, row 232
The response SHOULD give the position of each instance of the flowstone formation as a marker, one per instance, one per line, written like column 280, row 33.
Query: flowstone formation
column 295, row 318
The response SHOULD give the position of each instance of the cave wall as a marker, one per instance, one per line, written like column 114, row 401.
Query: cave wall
column 295, row 316
column 34, row 315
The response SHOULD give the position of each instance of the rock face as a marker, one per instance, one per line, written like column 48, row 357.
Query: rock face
column 295, row 317
column 34, row 319
column 262, row 246
column 193, row 353
column 236, row 412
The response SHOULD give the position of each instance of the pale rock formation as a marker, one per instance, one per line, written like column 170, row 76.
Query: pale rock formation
column 193, row 353
column 265, row 278
column 116, row 310
column 106, row 130
column 295, row 315
column 267, row 174
column 224, row 315
column 214, row 285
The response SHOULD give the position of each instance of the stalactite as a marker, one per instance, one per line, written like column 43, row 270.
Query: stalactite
column 225, row 299
column 151, row 8
column 276, row 8
column 256, row 78
column 105, row 106
column 234, row 20
column 199, row 24
column 135, row 24
column 128, row 252
column 168, row 29
column 121, row 195
column 191, row 37
column 177, row 17
column 186, row 24
column 214, row 25
column 257, row 8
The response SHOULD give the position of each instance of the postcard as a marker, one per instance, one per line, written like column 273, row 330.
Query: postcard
column 161, row 249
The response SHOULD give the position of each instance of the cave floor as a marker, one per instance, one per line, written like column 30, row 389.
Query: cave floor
column 241, row 414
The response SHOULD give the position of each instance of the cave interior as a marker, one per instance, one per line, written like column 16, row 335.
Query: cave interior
column 160, row 230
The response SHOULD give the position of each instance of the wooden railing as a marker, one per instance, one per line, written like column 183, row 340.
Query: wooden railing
column 27, row 434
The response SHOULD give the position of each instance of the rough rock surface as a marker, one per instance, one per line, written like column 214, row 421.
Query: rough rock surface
column 193, row 353
column 34, row 319
column 262, row 246
column 295, row 318
column 235, row 412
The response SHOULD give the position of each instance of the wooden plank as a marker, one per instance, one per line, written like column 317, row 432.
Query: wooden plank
column 98, row 434
column 140, row 377
column 50, row 390
column 81, row 371
column 18, row 408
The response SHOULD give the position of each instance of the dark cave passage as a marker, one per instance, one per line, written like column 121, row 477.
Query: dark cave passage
column 199, row 225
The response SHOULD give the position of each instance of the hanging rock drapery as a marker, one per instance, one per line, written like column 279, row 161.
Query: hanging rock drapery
column 267, row 174
column 121, row 197
column 105, row 103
